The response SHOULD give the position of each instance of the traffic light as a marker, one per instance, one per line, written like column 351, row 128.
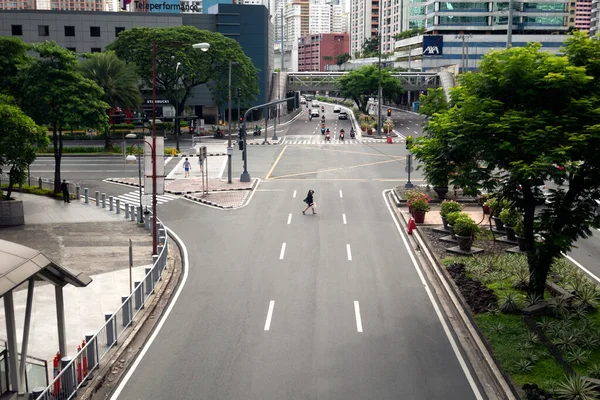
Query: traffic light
column 239, row 92
column 389, row 112
column 241, row 145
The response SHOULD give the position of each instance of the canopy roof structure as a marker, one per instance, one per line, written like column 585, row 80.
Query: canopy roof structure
column 18, row 264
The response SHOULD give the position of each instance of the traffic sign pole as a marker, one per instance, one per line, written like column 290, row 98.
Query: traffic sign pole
column 409, row 168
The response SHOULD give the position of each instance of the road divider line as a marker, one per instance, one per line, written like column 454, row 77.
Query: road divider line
column 282, row 253
column 289, row 219
column 269, row 315
column 294, row 196
column 344, row 218
column 357, row 314
column 581, row 267
column 349, row 252
column 275, row 163
column 341, row 194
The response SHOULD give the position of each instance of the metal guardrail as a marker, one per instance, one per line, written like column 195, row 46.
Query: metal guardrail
column 75, row 371
column 38, row 181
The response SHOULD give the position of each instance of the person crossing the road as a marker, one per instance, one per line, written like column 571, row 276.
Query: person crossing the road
column 310, row 202
column 187, row 166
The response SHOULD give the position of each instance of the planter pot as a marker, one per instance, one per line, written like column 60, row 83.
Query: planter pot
column 363, row 129
column 419, row 216
column 369, row 131
column 498, row 223
column 486, row 210
column 410, row 210
column 522, row 243
column 445, row 222
column 441, row 192
column 464, row 242
column 451, row 229
column 11, row 213
column 510, row 233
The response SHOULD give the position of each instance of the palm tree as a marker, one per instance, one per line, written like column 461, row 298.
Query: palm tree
column 118, row 79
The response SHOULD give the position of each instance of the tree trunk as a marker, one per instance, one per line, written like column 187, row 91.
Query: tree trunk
column 10, row 183
column 58, row 147
column 107, row 143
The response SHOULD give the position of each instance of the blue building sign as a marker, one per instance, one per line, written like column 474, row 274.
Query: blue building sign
column 433, row 45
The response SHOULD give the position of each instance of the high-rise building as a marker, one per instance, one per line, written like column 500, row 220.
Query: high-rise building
column 317, row 51
column 491, row 17
column 364, row 22
column 595, row 18
column 583, row 14
column 67, row 5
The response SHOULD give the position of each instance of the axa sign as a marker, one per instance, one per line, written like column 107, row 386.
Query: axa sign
column 433, row 46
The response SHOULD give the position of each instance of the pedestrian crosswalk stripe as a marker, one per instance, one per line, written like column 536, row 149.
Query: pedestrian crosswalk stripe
column 134, row 197
column 336, row 141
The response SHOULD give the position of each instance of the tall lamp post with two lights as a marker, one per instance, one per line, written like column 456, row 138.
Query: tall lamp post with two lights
column 204, row 47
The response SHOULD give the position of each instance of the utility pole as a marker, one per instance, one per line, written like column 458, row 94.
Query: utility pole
column 509, row 26
column 379, row 40
column 282, row 39
column 229, row 148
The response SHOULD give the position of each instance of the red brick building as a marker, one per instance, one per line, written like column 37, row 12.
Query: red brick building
column 320, row 49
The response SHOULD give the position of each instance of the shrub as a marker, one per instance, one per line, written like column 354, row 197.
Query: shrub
column 420, row 205
column 519, row 228
column 509, row 217
column 576, row 387
column 453, row 216
column 449, row 206
column 465, row 226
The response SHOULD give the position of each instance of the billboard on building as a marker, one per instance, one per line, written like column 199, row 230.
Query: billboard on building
column 158, row 6
column 433, row 45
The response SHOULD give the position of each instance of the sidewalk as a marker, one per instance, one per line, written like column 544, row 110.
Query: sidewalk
column 85, row 238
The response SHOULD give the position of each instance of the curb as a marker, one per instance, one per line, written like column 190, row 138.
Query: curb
column 213, row 204
column 116, row 180
column 491, row 380
column 117, row 358
column 260, row 144
column 194, row 155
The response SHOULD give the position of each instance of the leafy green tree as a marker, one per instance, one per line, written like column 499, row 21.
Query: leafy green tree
column 370, row 47
column 196, row 68
column 433, row 102
column 342, row 58
column 57, row 94
column 14, row 58
column 512, row 123
column 362, row 83
column 19, row 136
column 117, row 78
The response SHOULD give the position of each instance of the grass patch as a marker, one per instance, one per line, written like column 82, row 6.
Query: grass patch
column 37, row 191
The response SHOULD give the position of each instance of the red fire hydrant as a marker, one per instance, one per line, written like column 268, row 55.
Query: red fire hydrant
column 411, row 225
column 389, row 139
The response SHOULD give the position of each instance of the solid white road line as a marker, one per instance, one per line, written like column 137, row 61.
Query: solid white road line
column 349, row 252
column 164, row 317
column 222, row 171
column 581, row 267
column 289, row 219
column 416, row 132
column 341, row 194
column 294, row 196
column 438, row 312
column 357, row 314
column 269, row 315
column 168, row 160
column 282, row 253
column 344, row 218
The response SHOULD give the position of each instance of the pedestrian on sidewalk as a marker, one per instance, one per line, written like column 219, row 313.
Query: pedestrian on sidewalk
column 64, row 187
column 187, row 166
column 310, row 202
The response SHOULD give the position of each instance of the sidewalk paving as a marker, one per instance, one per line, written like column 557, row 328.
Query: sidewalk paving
column 85, row 238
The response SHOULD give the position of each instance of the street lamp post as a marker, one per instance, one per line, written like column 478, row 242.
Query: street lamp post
column 229, row 148
column 379, row 41
column 131, row 158
column 204, row 47
column 177, row 123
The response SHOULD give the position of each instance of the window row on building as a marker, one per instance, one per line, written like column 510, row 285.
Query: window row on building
column 69, row 30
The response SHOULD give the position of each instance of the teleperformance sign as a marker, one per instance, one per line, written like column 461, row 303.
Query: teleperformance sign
column 433, row 46
column 163, row 6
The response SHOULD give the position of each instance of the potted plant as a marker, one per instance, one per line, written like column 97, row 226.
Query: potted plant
column 452, row 217
column 465, row 229
column 496, row 207
column 420, row 207
column 447, row 207
column 520, row 235
column 410, row 196
column 509, row 218
column 486, row 200
column 364, row 126
column 369, row 129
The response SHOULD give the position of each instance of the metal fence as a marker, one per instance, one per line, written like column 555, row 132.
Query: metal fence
column 38, row 181
column 75, row 371
column 36, row 370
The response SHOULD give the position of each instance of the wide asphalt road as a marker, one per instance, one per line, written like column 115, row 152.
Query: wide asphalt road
column 281, row 305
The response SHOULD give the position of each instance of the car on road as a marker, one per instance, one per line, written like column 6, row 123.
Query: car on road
column 314, row 103
column 302, row 100
column 337, row 109
column 343, row 115
column 314, row 112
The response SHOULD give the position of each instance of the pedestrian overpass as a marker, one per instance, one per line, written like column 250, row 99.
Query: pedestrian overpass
column 326, row 81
